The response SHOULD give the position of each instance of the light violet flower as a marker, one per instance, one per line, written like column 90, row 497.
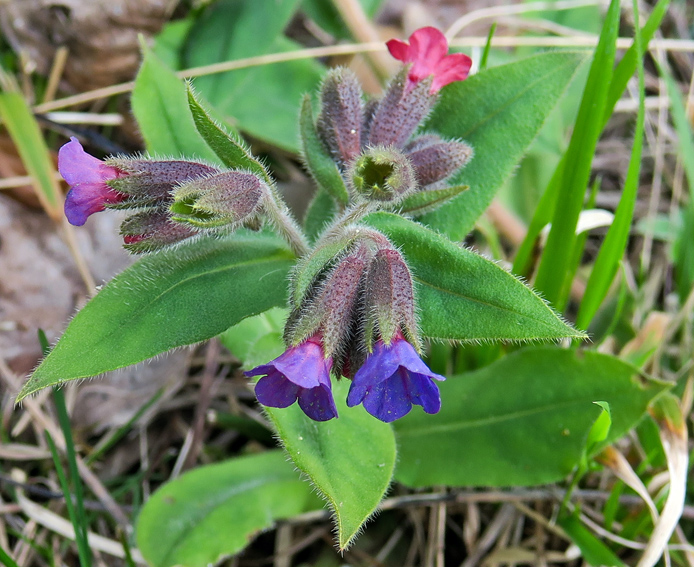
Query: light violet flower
column 428, row 53
column 300, row 373
column 392, row 379
column 88, row 179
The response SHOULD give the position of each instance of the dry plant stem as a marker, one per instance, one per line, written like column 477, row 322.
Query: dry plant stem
column 437, row 535
column 204, row 400
column 363, row 30
column 350, row 49
column 20, row 181
column 56, row 73
column 43, row 421
column 69, row 237
column 494, row 12
column 503, row 517
column 283, row 545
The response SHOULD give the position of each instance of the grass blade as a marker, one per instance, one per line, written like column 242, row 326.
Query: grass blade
column 523, row 262
column 612, row 249
column 26, row 135
column 6, row 560
column 555, row 270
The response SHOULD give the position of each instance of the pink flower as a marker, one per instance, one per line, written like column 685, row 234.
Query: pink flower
column 427, row 51
column 88, row 179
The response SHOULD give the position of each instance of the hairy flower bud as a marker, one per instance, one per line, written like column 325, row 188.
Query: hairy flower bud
column 383, row 174
column 400, row 112
column 153, row 230
column 341, row 116
column 435, row 159
column 226, row 199
column 331, row 309
column 389, row 299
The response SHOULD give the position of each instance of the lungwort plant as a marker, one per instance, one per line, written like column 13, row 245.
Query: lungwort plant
column 360, row 290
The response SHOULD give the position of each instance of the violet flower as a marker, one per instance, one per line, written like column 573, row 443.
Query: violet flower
column 300, row 373
column 392, row 379
column 88, row 179
column 427, row 51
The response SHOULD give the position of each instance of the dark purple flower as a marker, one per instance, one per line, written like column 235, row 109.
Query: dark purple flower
column 300, row 373
column 392, row 379
column 88, row 179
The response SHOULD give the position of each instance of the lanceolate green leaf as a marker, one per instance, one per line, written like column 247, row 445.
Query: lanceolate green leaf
column 213, row 511
column 498, row 112
column 166, row 300
column 523, row 420
column 350, row 460
column 160, row 106
column 230, row 149
column 464, row 296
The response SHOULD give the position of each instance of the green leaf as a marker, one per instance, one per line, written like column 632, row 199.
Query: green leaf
column 350, row 460
column 555, row 271
column 317, row 159
column 160, row 105
column 326, row 15
column 170, row 299
column 463, row 296
column 255, row 340
column 235, row 29
column 503, row 110
column 428, row 200
column 594, row 551
column 522, row 420
column 321, row 210
column 228, row 147
column 214, row 511
column 22, row 127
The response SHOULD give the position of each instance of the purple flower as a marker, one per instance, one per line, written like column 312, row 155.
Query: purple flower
column 88, row 179
column 392, row 379
column 302, row 372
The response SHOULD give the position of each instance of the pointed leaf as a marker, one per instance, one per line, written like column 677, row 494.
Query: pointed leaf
column 424, row 201
column 522, row 420
column 213, row 511
column 230, row 149
column 160, row 106
column 464, row 296
column 503, row 110
column 350, row 460
column 174, row 298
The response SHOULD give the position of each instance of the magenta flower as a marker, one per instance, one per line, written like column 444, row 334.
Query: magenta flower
column 428, row 52
column 88, row 179
column 300, row 373
column 392, row 379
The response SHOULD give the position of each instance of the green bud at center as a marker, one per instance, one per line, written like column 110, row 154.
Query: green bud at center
column 383, row 174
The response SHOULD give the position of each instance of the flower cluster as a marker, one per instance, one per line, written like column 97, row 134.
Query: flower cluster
column 356, row 318
column 352, row 298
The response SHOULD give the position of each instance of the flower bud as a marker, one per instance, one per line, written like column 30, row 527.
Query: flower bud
column 400, row 112
column 389, row 300
column 153, row 230
column 226, row 199
column 341, row 116
column 383, row 174
column 435, row 159
column 332, row 308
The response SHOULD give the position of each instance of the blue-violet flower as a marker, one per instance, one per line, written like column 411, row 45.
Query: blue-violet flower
column 392, row 379
column 87, row 177
column 301, row 373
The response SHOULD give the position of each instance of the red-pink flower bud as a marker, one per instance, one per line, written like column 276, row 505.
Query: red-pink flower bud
column 153, row 230
column 400, row 112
